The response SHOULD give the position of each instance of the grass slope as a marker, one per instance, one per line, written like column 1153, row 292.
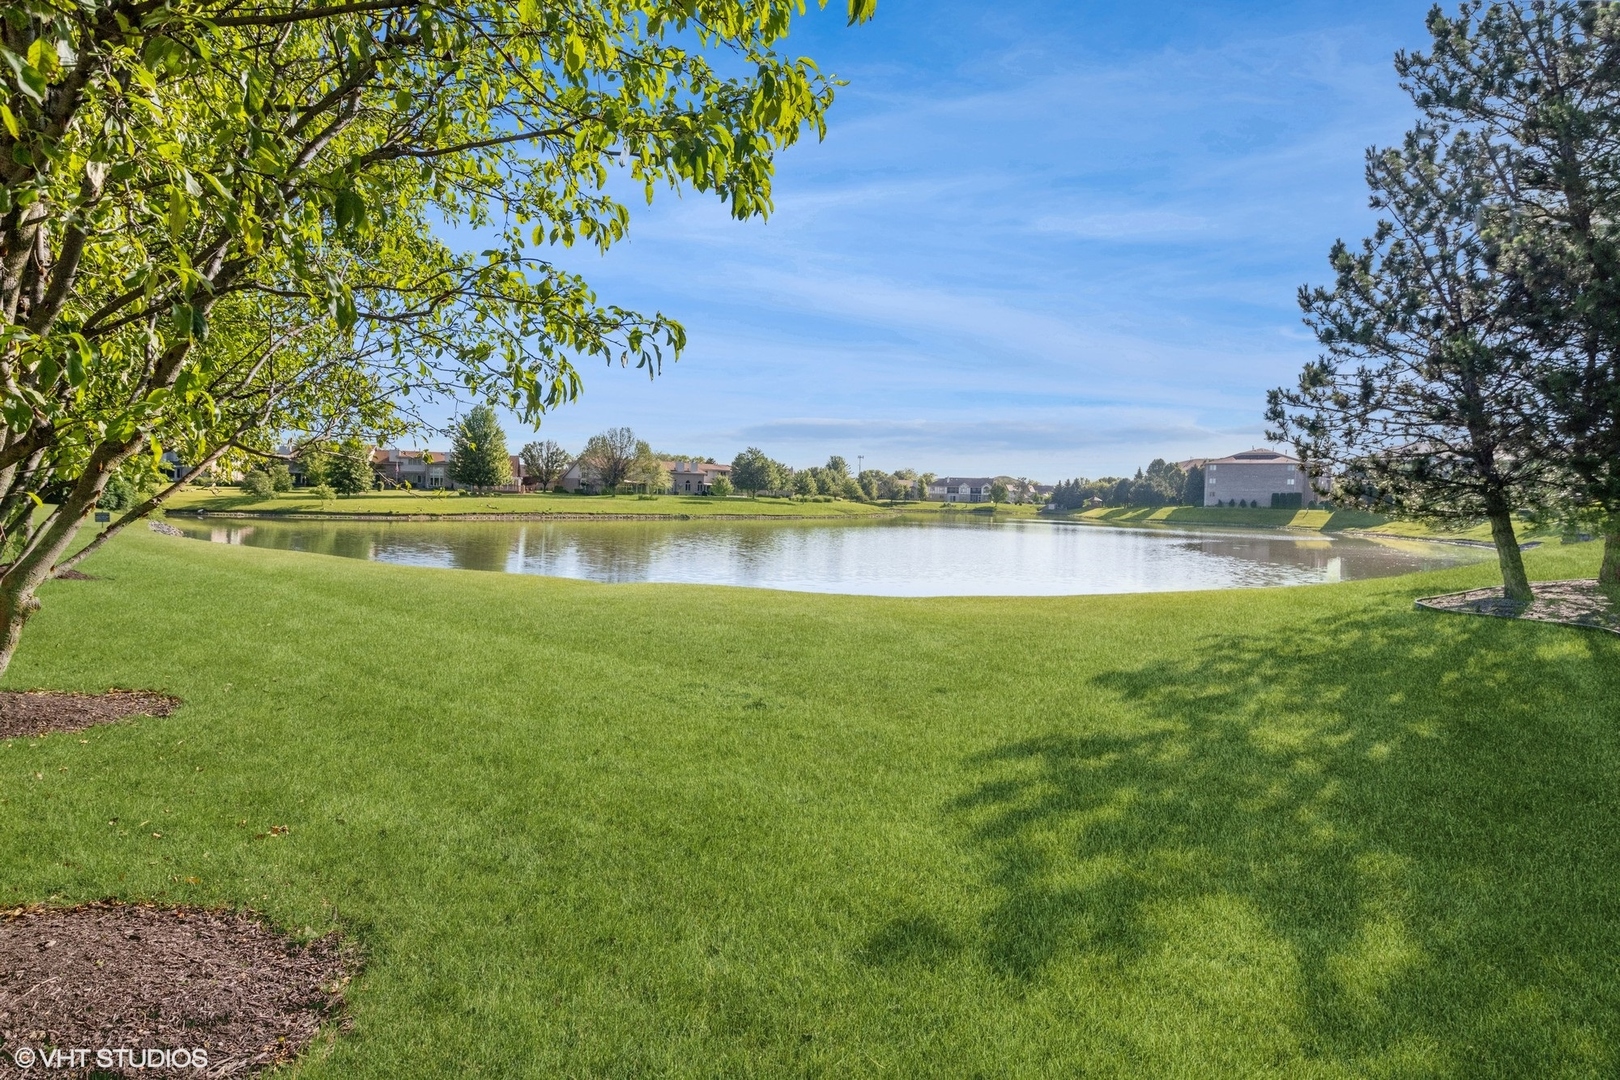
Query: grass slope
column 1240, row 517
column 1315, row 520
column 646, row 830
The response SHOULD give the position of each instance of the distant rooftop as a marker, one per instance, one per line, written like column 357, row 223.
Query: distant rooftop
column 1256, row 457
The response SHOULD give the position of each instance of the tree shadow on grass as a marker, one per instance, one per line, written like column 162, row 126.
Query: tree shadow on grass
column 1388, row 841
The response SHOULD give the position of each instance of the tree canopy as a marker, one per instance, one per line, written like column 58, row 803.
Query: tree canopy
column 753, row 472
column 545, row 462
column 608, row 458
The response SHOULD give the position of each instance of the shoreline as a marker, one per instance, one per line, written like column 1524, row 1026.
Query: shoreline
column 532, row 515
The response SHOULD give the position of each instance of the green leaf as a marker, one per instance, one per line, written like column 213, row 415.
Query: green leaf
column 351, row 210
column 10, row 121
column 179, row 211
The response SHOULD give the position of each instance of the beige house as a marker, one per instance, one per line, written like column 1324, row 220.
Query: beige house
column 685, row 477
column 1254, row 476
column 428, row 470
column 423, row 470
column 694, row 477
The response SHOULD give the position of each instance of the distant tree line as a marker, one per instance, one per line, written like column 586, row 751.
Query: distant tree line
column 1162, row 483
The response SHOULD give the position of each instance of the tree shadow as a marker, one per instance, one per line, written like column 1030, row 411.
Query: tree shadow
column 914, row 938
column 1396, row 833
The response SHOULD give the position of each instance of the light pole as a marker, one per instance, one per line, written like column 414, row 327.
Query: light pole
column 860, row 460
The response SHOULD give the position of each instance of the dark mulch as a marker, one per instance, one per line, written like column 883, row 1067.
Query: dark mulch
column 1571, row 603
column 122, row 976
column 40, row 712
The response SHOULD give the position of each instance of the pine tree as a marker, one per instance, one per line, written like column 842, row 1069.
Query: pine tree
column 1423, row 387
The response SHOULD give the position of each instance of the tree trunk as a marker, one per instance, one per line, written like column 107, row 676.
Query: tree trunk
column 16, row 605
column 1609, row 574
column 1515, row 585
column 22, row 579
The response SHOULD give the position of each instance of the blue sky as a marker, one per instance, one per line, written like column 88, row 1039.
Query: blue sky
column 1041, row 238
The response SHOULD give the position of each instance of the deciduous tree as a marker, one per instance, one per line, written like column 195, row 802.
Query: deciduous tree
column 478, row 457
column 348, row 468
column 545, row 461
column 753, row 472
column 647, row 471
column 608, row 457
column 216, row 216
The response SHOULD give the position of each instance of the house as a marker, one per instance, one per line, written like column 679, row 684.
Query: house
column 429, row 470
column 685, row 477
column 694, row 477
column 423, row 470
column 1254, row 476
column 954, row 489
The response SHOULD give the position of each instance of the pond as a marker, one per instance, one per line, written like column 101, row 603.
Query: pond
column 892, row 557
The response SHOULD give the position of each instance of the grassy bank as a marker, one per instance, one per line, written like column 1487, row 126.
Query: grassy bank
column 1235, row 517
column 650, row 830
column 451, row 504
column 1314, row 520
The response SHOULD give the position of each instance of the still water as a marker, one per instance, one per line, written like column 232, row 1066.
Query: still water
column 887, row 558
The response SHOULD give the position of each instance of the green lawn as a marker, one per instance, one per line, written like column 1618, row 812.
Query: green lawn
column 455, row 503
column 1316, row 520
column 646, row 830
column 1236, row 516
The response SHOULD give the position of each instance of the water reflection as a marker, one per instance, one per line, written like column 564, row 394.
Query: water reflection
column 891, row 558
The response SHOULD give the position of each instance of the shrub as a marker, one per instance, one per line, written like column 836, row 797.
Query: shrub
column 280, row 477
column 258, row 483
column 324, row 492
column 720, row 487
column 121, row 493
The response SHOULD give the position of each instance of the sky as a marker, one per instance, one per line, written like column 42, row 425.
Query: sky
column 1043, row 238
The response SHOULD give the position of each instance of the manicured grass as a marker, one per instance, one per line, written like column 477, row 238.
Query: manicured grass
column 587, row 830
column 453, row 503
column 1236, row 516
column 1318, row 520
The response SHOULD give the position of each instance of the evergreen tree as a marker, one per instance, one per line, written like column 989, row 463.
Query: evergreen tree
column 1423, row 385
column 478, row 457
column 1541, row 84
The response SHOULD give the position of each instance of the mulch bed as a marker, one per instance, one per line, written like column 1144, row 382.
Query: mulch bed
column 40, row 712
column 1569, row 603
column 155, row 981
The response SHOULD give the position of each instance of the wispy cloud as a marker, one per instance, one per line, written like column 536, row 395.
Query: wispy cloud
column 1065, row 237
